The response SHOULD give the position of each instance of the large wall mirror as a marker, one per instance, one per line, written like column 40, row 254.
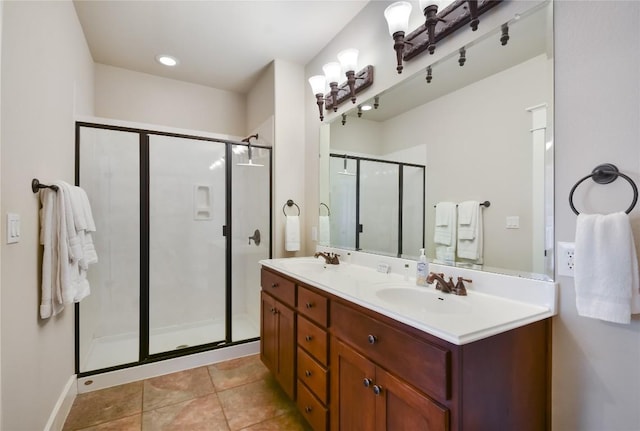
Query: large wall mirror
column 478, row 132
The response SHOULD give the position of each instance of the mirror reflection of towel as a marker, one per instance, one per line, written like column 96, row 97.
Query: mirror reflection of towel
column 292, row 233
column 470, row 241
column 324, row 236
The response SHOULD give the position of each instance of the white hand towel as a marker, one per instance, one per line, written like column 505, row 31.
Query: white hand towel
column 292, row 233
column 606, row 268
column 468, row 219
column 472, row 249
column 324, row 230
column 444, row 232
column 50, row 303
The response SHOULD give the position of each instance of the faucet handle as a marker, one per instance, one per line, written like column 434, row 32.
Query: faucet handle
column 460, row 289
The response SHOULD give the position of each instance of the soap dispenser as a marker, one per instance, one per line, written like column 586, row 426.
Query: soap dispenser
column 422, row 269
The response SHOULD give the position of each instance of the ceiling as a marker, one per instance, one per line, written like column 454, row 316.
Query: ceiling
column 222, row 44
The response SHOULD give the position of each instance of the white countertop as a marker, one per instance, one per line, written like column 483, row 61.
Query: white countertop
column 456, row 319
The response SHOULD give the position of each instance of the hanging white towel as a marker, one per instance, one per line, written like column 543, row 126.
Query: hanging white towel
column 606, row 268
column 468, row 219
column 65, row 220
column 324, row 236
column 292, row 233
column 470, row 236
column 444, row 235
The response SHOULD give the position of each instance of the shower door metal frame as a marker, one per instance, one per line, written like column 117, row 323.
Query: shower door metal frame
column 401, row 165
column 144, row 329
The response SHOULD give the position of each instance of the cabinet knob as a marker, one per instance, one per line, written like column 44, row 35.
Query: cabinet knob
column 377, row 389
column 307, row 373
column 308, row 305
column 273, row 310
column 367, row 382
column 308, row 409
column 372, row 339
column 274, row 285
column 308, row 338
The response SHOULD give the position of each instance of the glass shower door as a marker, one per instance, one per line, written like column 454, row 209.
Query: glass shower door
column 187, row 247
column 250, row 234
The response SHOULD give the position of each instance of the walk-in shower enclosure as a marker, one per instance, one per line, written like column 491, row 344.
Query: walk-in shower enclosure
column 177, row 271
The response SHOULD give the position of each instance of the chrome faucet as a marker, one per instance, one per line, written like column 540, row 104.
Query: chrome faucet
column 329, row 258
column 441, row 284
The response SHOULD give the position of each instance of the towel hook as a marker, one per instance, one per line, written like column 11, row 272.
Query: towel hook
column 604, row 174
column 290, row 203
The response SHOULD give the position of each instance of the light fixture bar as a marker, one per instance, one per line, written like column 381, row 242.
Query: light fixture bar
column 456, row 16
column 364, row 79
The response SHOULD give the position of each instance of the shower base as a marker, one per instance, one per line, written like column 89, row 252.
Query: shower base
column 123, row 349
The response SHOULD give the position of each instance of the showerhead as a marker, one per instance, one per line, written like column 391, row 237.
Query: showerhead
column 248, row 141
column 345, row 171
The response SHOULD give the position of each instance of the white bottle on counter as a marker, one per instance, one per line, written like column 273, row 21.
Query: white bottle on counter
column 422, row 268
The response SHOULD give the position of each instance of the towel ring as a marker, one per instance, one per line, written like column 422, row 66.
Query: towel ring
column 322, row 204
column 289, row 204
column 604, row 174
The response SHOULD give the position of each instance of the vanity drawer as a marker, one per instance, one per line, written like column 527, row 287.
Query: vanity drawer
column 313, row 339
column 422, row 364
column 313, row 375
column 312, row 305
column 280, row 287
column 312, row 410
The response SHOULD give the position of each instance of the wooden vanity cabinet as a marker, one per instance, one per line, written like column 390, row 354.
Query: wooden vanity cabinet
column 277, row 329
column 355, row 369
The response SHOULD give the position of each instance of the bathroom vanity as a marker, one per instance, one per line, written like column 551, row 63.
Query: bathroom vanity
column 353, row 356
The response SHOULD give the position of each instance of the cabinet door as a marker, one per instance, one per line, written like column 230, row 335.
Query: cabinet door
column 286, row 348
column 277, row 341
column 400, row 407
column 268, row 333
column 352, row 398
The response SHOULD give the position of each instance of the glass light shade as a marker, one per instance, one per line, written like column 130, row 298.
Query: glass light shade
column 348, row 59
column 332, row 71
column 318, row 84
column 425, row 3
column 397, row 16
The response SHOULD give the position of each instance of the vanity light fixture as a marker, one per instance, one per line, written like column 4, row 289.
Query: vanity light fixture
column 356, row 82
column 167, row 60
column 437, row 24
column 504, row 38
column 376, row 102
column 344, row 119
column 463, row 57
column 429, row 75
column 359, row 111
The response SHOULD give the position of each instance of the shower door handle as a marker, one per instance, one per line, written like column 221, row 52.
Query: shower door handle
column 255, row 237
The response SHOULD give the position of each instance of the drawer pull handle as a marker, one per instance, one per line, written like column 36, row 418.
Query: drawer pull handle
column 372, row 339
column 274, row 285
column 308, row 409
column 309, row 305
column 377, row 389
column 367, row 382
column 308, row 338
column 307, row 373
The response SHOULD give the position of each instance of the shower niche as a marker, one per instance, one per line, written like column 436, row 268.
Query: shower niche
column 175, row 273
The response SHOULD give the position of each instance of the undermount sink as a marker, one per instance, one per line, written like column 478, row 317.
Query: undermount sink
column 426, row 301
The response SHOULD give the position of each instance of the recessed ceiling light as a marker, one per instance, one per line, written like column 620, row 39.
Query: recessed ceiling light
column 167, row 60
column 366, row 107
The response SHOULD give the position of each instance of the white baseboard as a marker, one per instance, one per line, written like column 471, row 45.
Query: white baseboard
column 146, row 371
column 63, row 406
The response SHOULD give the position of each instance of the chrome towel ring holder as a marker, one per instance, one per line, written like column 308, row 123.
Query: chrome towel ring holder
column 322, row 204
column 604, row 174
column 290, row 203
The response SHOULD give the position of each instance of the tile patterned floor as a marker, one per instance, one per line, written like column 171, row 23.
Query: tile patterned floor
column 235, row 395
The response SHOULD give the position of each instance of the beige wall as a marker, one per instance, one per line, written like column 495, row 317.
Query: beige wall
column 261, row 100
column 139, row 97
column 596, row 381
column 596, row 376
column 47, row 73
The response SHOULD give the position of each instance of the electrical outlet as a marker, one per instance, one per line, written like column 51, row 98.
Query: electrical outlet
column 566, row 251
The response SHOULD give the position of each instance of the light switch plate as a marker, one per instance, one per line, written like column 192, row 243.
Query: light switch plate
column 13, row 228
column 513, row 222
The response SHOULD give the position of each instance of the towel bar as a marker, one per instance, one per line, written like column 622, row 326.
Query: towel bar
column 485, row 204
column 36, row 186
column 604, row 174
column 290, row 203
